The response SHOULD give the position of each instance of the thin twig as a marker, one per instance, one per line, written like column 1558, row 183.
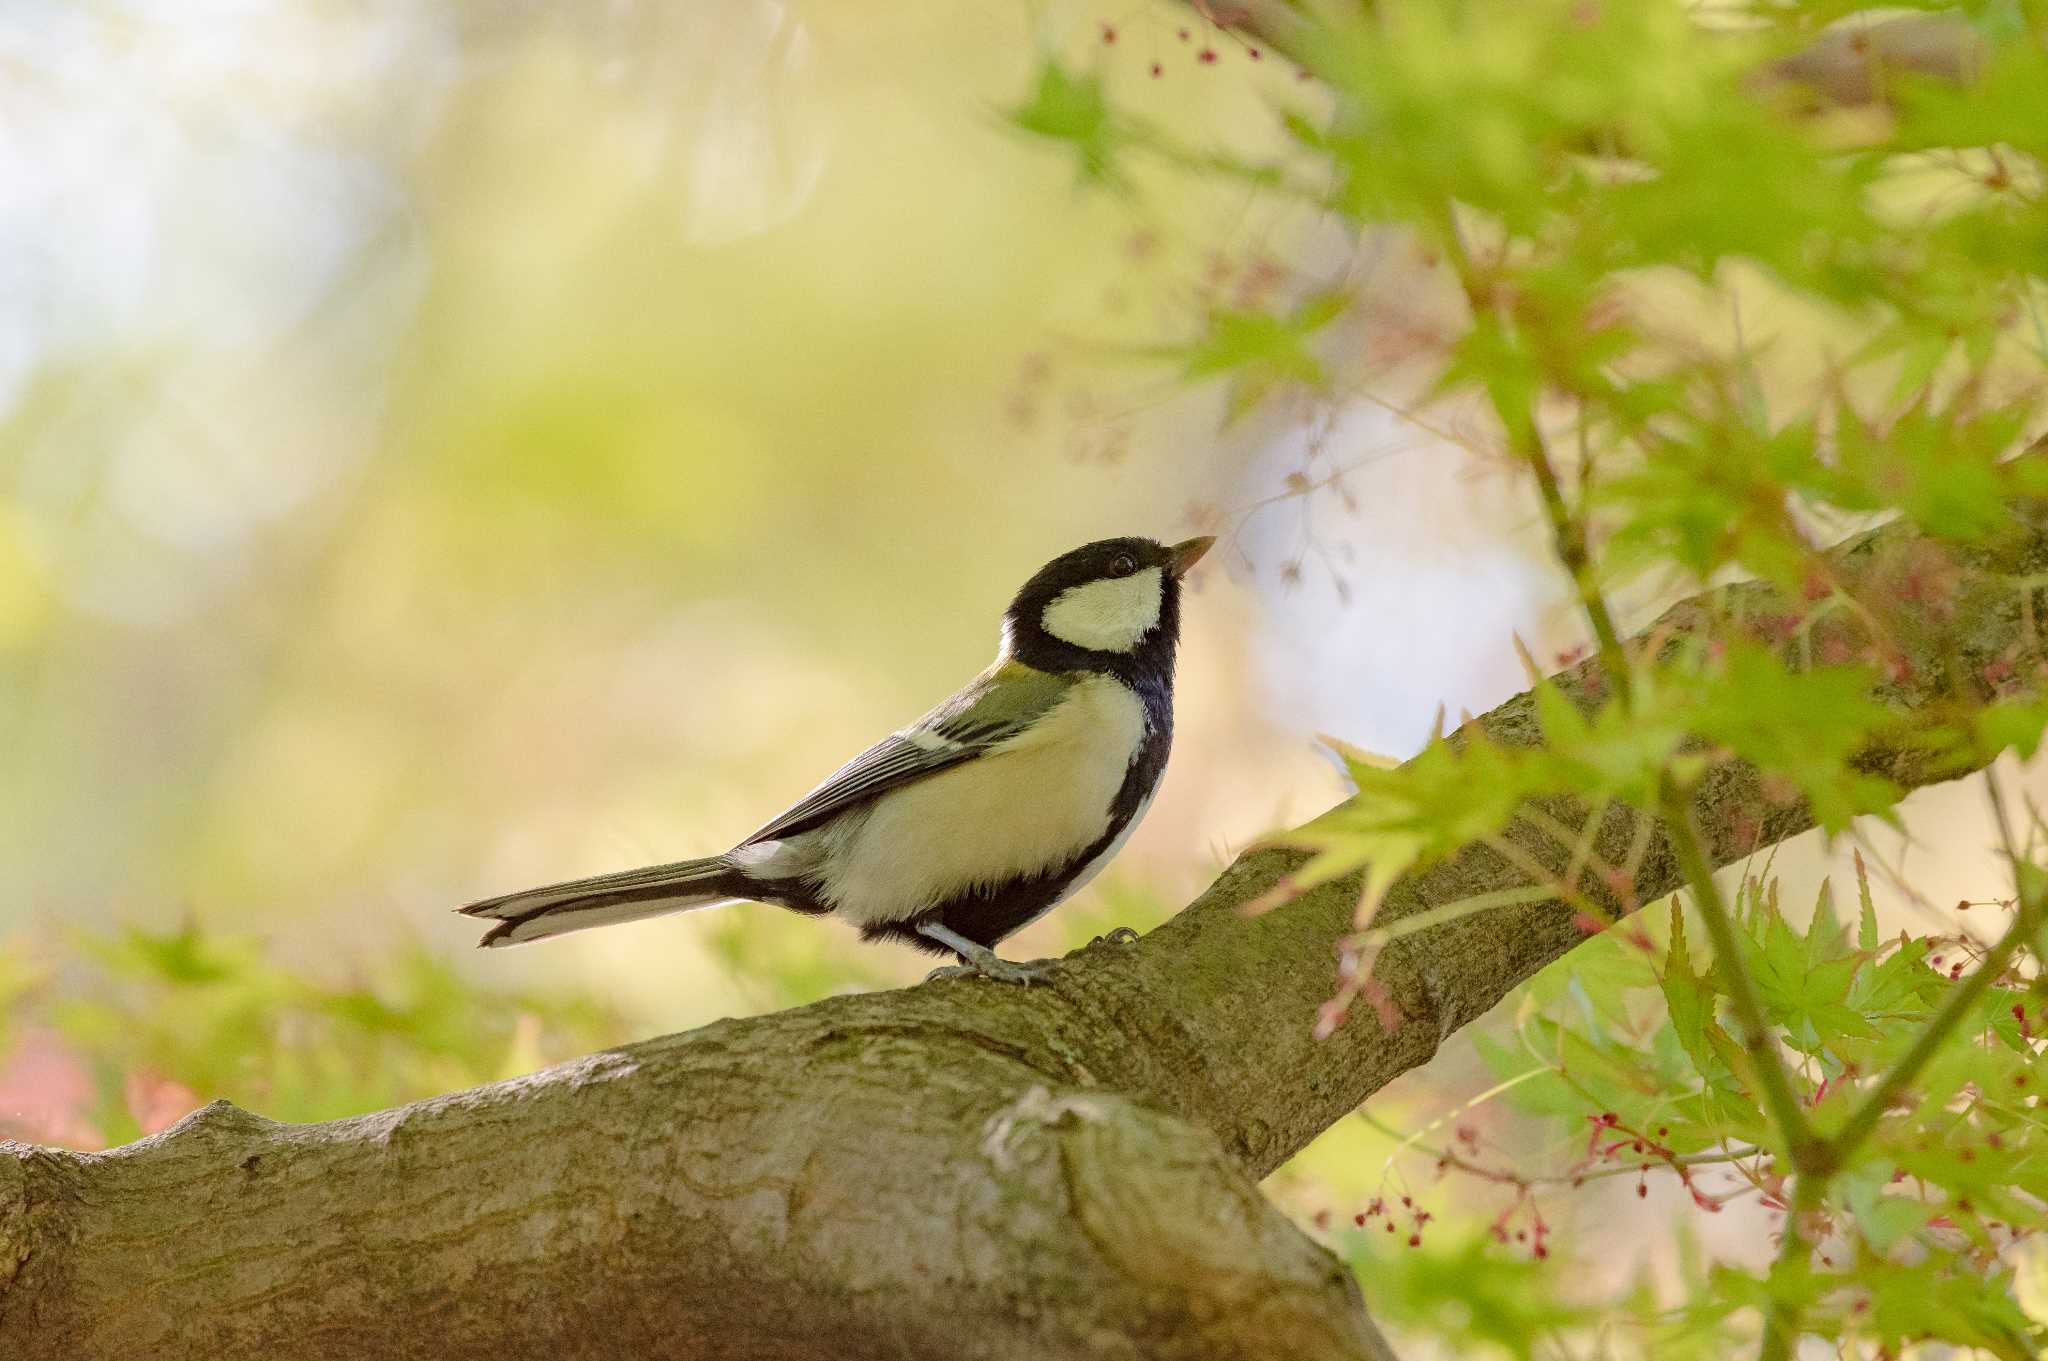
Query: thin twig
column 1989, row 969
column 1781, row 1318
column 1780, row 1100
column 1463, row 907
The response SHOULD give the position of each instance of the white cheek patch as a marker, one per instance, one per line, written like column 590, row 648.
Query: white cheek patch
column 1111, row 615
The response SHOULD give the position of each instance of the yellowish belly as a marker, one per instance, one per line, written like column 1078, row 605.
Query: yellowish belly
column 1024, row 808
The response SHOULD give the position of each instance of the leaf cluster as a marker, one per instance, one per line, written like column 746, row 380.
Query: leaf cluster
column 1719, row 319
column 197, row 1014
column 1920, row 1232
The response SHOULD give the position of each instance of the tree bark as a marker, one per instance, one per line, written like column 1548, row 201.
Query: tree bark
column 958, row 1169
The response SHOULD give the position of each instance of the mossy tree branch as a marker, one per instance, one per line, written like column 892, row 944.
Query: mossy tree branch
column 957, row 1169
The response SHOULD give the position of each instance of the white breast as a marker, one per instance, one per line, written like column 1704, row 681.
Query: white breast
column 1033, row 803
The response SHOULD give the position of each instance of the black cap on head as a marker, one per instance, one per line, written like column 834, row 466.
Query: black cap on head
column 1073, row 616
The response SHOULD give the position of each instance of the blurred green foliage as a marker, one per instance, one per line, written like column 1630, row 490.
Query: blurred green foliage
column 1718, row 302
column 524, row 470
column 156, row 1019
column 1945, row 1190
column 474, row 448
column 1624, row 1060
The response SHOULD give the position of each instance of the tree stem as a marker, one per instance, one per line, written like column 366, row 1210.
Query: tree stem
column 1780, row 1100
column 1795, row 1256
column 1568, row 540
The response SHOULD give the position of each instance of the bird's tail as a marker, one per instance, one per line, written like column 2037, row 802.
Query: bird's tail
column 538, row 913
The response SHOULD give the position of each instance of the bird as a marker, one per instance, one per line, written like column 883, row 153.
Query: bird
column 952, row 833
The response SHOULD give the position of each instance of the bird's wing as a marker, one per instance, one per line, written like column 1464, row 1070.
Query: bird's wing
column 997, row 705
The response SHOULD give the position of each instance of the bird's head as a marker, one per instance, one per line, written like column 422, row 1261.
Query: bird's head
column 1109, row 602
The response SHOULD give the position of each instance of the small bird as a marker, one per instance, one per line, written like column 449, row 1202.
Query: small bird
column 975, row 820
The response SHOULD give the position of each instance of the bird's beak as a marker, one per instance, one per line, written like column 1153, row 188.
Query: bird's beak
column 1186, row 555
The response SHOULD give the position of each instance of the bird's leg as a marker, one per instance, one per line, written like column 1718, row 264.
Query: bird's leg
column 979, row 960
column 1122, row 935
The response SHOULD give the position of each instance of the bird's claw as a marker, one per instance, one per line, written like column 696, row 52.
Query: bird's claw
column 1122, row 935
column 1023, row 973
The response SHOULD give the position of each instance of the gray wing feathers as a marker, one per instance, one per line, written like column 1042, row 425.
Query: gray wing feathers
column 890, row 762
column 1002, row 702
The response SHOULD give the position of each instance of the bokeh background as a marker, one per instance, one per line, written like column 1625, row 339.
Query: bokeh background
column 448, row 446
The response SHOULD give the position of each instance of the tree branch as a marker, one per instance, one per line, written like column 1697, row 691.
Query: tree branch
column 956, row 1169
column 1847, row 64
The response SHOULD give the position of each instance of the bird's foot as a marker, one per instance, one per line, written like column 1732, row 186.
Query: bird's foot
column 977, row 960
column 1122, row 935
column 989, row 964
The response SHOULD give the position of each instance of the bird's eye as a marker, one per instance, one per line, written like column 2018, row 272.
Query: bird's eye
column 1122, row 565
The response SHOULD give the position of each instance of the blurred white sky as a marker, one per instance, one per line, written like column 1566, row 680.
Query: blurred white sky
column 206, row 239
